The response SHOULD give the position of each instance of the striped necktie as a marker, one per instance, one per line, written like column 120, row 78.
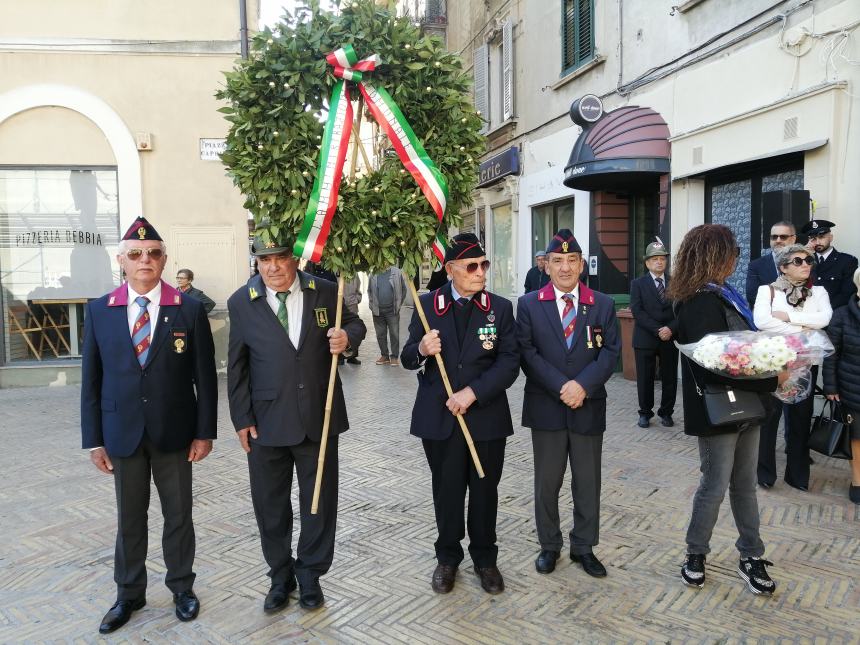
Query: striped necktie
column 283, row 318
column 568, row 318
column 661, row 289
column 140, row 333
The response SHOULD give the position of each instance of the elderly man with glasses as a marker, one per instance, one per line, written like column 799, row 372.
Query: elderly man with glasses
column 473, row 330
column 763, row 270
column 149, row 399
column 184, row 278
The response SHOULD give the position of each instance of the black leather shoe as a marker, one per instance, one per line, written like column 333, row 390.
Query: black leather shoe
column 546, row 560
column 590, row 564
column 491, row 579
column 353, row 361
column 119, row 614
column 644, row 421
column 667, row 421
column 279, row 596
column 443, row 578
column 187, row 605
column 311, row 595
column 854, row 493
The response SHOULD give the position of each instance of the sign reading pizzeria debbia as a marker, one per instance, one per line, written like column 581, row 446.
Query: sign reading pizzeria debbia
column 58, row 236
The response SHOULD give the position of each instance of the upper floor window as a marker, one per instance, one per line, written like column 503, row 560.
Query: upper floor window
column 494, row 77
column 577, row 34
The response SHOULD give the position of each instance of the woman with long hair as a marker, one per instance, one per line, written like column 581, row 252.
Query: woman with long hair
column 705, row 303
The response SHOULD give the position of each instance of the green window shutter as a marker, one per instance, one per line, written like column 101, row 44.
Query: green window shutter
column 577, row 33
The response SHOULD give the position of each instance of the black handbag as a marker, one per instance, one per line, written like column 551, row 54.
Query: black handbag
column 725, row 405
column 831, row 431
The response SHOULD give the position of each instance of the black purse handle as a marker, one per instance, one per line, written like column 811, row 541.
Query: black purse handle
column 835, row 410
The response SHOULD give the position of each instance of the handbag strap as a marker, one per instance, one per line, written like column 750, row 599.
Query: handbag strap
column 693, row 376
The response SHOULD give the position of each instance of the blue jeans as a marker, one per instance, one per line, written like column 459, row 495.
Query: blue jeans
column 728, row 461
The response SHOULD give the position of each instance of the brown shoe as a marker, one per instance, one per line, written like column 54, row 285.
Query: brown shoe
column 491, row 579
column 443, row 578
column 382, row 360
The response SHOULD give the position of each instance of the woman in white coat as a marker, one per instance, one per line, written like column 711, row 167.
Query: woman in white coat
column 790, row 304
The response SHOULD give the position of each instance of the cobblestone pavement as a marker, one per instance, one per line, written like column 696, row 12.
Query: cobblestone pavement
column 58, row 521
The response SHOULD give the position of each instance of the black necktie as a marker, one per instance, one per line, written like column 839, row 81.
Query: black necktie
column 462, row 301
column 820, row 258
column 661, row 290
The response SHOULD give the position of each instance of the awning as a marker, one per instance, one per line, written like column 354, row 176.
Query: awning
column 624, row 149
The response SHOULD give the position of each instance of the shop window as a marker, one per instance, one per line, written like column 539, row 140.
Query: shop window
column 59, row 231
column 501, row 251
column 577, row 34
column 548, row 219
column 494, row 77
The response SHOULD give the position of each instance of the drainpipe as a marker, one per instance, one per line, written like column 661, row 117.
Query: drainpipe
column 243, row 28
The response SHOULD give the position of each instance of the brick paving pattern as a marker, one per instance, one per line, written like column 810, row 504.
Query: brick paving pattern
column 58, row 519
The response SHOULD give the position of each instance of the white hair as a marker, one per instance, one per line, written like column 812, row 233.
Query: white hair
column 857, row 278
column 123, row 246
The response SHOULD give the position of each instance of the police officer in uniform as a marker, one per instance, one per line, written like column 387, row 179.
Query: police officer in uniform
column 282, row 336
column 473, row 330
column 569, row 346
column 834, row 270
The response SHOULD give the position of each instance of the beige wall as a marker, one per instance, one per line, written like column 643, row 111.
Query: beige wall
column 61, row 135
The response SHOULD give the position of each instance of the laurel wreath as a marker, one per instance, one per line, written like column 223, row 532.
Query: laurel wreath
column 275, row 101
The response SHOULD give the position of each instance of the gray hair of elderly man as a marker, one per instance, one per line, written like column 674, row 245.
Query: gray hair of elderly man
column 857, row 279
column 783, row 255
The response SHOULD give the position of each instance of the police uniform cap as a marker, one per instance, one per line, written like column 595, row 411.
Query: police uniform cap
column 142, row 230
column 464, row 246
column 563, row 242
column 817, row 227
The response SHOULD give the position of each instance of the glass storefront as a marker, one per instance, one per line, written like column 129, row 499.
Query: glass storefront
column 59, row 231
column 548, row 219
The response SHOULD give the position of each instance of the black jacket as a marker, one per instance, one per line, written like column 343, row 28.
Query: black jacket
column 279, row 388
column 842, row 370
column 707, row 313
column 836, row 274
column 759, row 272
column 535, row 280
column 197, row 294
column 650, row 313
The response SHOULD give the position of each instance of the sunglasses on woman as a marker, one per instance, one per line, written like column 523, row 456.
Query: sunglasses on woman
column 798, row 262
column 135, row 254
column 473, row 266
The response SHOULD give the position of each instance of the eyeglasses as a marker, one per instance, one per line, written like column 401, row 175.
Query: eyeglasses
column 781, row 238
column 181, row 277
column 473, row 266
column 798, row 262
column 135, row 254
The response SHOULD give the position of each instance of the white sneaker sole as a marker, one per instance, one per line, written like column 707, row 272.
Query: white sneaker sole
column 757, row 592
column 694, row 585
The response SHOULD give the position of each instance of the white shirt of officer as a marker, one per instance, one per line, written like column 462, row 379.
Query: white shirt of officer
column 295, row 308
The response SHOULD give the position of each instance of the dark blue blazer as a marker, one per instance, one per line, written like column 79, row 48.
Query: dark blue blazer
column 760, row 272
column 548, row 364
column 650, row 313
column 836, row 274
column 173, row 397
column 488, row 370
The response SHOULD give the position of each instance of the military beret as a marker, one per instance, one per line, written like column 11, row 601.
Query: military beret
column 817, row 227
column 141, row 229
column 463, row 246
column 563, row 242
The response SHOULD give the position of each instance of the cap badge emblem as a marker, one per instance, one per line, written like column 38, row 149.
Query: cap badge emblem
column 564, row 247
column 141, row 232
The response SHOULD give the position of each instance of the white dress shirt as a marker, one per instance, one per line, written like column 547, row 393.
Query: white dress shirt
column 824, row 255
column 133, row 309
column 814, row 313
column 295, row 308
column 559, row 301
column 654, row 279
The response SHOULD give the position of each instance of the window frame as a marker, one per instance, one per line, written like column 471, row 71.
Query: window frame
column 577, row 63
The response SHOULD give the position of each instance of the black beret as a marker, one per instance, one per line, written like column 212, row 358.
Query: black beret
column 463, row 246
column 817, row 227
column 563, row 242
column 140, row 229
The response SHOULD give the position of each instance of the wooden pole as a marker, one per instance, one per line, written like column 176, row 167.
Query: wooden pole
column 328, row 402
column 466, row 434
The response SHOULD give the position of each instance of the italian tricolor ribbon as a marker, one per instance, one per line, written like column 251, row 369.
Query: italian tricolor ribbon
column 323, row 200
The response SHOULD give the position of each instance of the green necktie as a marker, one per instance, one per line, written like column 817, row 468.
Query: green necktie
column 282, row 310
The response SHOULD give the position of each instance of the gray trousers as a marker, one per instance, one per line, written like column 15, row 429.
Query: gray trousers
column 171, row 472
column 386, row 324
column 553, row 449
column 728, row 461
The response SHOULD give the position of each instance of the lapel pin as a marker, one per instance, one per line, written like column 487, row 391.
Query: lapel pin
column 165, row 319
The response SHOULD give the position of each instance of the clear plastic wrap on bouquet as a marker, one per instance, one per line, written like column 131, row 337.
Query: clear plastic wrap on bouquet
column 797, row 387
column 755, row 354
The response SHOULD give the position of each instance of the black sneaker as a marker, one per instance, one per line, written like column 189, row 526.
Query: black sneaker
column 693, row 570
column 754, row 571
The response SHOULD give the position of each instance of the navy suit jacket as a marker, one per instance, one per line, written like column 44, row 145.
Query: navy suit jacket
column 173, row 397
column 760, row 272
column 836, row 274
column 488, row 370
column 548, row 364
column 650, row 313
column 279, row 388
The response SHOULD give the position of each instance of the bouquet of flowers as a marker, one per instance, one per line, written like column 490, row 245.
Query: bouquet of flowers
column 754, row 355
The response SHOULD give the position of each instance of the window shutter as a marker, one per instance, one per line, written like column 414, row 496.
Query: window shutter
column 482, row 90
column 507, row 70
column 577, row 26
column 584, row 31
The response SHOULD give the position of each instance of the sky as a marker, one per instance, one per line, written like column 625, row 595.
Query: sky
column 271, row 10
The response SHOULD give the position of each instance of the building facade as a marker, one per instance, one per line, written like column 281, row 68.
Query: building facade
column 739, row 113
column 107, row 112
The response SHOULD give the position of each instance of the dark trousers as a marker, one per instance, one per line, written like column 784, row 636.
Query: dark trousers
column 171, row 472
column 646, row 366
column 452, row 473
column 553, row 449
column 387, row 326
column 798, row 418
column 271, row 473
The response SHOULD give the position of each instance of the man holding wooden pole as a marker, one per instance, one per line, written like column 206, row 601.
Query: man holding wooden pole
column 473, row 331
column 282, row 338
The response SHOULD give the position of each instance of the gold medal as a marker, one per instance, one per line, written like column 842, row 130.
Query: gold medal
column 179, row 345
column 487, row 345
column 599, row 339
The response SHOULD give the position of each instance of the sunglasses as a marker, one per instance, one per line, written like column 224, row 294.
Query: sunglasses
column 798, row 262
column 135, row 254
column 473, row 266
column 781, row 238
